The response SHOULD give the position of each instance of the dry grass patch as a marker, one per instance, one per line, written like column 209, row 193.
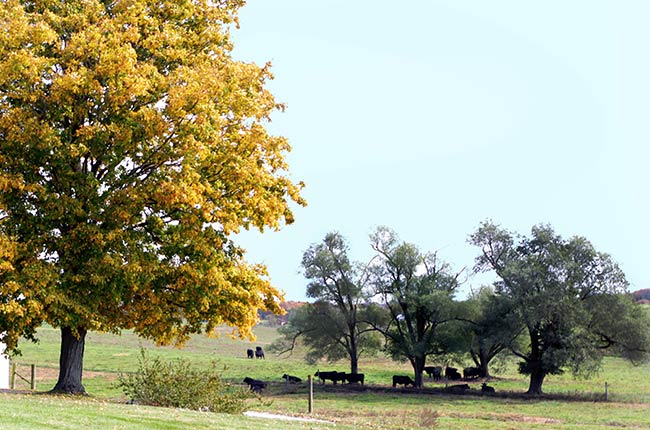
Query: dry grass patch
column 424, row 418
column 506, row 418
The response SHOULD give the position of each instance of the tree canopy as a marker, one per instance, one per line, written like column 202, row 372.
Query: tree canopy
column 569, row 299
column 132, row 146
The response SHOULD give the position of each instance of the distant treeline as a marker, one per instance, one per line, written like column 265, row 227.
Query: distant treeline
column 288, row 306
column 642, row 296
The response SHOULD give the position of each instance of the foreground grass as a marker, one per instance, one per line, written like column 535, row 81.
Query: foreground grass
column 376, row 408
column 412, row 411
column 37, row 412
column 345, row 410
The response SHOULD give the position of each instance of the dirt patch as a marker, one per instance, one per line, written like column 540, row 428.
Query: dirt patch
column 284, row 417
column 422, row 418
column 49, row 375
column 517, row 418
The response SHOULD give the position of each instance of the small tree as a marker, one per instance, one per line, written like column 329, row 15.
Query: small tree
column 489, row 327
column 331, row 327
column 562, row 292
column 416, row 294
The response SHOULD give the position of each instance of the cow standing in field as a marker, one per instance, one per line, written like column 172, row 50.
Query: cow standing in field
column 402, row 380
column 259, row 353
column 332, row 376
column 452, row 374
column 250, row 353
column 471, row 373
column 255, row 385
column 354, row 377
column 434, row 371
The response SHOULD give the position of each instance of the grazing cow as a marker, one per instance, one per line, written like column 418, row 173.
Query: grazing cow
column 471, row 373
column 354, row 377
column 249, row 353
column 259, row 353
column 256, row 386
column 291, row 379
column 459, row 388
column 434, row 371
column 402, row 380
column 452, row 374
column 332, row 376
column 486, row 388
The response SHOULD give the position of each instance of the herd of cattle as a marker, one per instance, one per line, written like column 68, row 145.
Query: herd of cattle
column 434, row 372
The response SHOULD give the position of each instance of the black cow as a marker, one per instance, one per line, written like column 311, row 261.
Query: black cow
column 486, row 388
column 434, row 371
column 291, row 379
column 332, row 376
column 459, row 388
column 471, row 372
column 452, row 374
column 250, row 353
column 402, row 380
column 259, row 353
column 354, row 377
column 256, row 386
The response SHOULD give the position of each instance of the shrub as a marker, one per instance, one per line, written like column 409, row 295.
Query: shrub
column 180, row 385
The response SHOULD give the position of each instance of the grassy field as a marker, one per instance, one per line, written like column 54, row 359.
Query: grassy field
column 570, row 405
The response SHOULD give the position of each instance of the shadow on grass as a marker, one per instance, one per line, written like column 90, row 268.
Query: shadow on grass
column 379, row 393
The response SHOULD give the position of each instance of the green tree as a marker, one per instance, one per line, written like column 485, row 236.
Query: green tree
column 132, row 147
column 332, row 326
column 490, row 327
column 416, row 294
column 568, row 297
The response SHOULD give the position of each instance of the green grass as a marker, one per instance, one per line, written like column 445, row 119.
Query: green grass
column 464, row 412
column 31, row 412
column 377, row 407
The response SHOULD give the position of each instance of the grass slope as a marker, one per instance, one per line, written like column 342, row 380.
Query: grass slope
column 31, row 412
column 377, row 407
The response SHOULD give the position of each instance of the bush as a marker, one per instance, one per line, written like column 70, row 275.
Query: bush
column 179, row 385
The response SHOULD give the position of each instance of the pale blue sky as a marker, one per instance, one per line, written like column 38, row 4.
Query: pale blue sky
column 432, row 116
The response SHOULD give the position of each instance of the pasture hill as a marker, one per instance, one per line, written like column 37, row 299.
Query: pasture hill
column 642, row 296
column 274, row 319
column 570, row 404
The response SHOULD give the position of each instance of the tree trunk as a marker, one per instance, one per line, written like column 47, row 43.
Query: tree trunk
column 352, row 350
column 534, row 361
column 484, row 370
column 71, row 362
column 483, row 365
column 354, row 363
column 536, row 381
column 418, row 368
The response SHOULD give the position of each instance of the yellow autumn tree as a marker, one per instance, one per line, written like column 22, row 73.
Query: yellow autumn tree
column 132, row 147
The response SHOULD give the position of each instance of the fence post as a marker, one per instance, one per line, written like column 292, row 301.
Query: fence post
column 32, row 385
column 606, row 391
column 12, row 376
column 311, row 394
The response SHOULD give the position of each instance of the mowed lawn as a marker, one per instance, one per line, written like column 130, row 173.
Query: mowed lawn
column 571, row 404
